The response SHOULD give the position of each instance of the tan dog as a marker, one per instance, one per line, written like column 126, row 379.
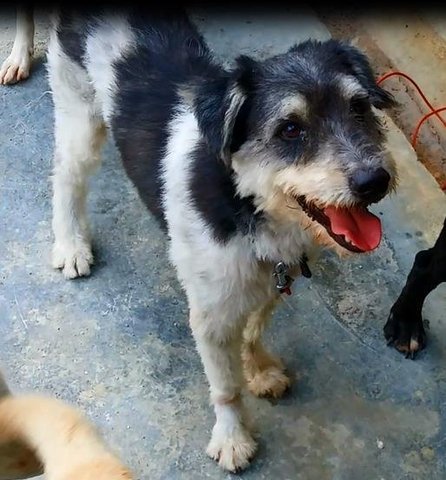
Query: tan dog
column 37, row 430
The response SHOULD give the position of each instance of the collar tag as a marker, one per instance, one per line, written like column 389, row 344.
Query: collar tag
column 283, row 280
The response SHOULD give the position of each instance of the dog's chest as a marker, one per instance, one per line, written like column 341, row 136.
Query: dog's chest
column 234, row 276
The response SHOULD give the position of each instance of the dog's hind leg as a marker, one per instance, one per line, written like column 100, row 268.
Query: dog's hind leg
column 79, row 135
column 404, row 327
column 16, row 66
column 219, row 345
column 264, row 373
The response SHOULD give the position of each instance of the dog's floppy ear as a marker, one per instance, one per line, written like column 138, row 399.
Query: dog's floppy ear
column 221, row 107
column 356, row 63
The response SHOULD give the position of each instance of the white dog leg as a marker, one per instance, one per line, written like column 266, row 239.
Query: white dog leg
column 78, row 139
column 231, row 443
column 16, row 66
column 79, row 135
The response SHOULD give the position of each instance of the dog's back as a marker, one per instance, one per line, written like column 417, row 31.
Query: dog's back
column 135, row 60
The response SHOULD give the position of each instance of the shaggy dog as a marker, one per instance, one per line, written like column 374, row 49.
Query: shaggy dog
column 250, row 171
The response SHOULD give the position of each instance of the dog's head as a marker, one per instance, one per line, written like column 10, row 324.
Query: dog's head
column 300, row 135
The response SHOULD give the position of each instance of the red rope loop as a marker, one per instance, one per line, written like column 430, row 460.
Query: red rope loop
column 434, row 111
column 420, row 123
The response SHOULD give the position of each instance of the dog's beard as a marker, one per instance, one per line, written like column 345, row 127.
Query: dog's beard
column 336, row 219
column 315, row 198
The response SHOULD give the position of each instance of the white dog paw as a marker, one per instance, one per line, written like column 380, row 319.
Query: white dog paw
column 73, row 260
column 15, row 68
column 233, row 450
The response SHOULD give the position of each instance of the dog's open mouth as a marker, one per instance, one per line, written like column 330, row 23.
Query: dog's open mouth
column 355, row 229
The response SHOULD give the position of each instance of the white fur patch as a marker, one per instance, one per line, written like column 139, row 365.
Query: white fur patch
column 350, row 86
column 294, row 104
column 79, row 134
column 109, row 42
column 236, row 99
column 231, row 278
column 321, row 182
column 231, row 444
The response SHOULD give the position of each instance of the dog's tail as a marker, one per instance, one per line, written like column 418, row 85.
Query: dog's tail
column 68, row 446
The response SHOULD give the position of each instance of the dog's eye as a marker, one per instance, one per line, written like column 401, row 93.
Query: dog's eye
column 359, row 107
column 292, row 131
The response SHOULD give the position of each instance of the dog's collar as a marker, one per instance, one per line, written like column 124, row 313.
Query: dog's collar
column 283, row 280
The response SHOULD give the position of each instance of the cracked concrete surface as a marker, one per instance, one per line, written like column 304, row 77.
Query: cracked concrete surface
column 118, row 346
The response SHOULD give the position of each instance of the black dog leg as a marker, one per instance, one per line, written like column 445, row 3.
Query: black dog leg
column 404, row 327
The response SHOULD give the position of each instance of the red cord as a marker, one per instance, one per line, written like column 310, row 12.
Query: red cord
column 426, row 101
column 404, row 75
column 420, row 123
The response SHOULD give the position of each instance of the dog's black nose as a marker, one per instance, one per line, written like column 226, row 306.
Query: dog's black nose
column 370, row 185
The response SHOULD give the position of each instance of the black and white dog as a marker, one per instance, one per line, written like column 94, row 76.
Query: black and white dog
column 251, row 172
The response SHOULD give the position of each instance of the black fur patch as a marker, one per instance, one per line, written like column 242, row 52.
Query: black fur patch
column 213, row 103
column 170, row 53
column 338, row 56
column 72, row 31
column 240, row 131
column 210, row 108
column 215, row 197
column 404, row 327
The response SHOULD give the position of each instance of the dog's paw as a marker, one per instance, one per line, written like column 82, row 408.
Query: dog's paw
column 15, row 68
column 73, row 260
column 406, row 332
column 233, row 448
column 270, row 382
column 264, row 373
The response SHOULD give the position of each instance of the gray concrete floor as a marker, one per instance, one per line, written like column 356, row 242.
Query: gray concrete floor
column 117, row 344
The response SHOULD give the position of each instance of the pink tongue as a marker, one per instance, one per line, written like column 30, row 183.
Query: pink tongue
column 360, row 227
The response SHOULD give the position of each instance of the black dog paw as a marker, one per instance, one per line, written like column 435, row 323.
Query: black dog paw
column 405, row 332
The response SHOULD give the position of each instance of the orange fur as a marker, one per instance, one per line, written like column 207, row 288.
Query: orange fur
column 66, row 443
column 264, row 373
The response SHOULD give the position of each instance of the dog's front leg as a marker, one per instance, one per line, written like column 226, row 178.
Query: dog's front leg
column 404, row 327
column 219, row 346
column 16, row 66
